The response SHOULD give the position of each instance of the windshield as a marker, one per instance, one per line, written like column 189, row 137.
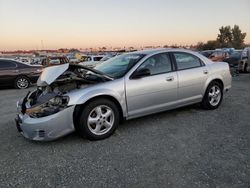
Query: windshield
column 120, row 65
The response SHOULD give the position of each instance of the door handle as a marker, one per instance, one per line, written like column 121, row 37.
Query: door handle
column 169, row 79
column 205, row 71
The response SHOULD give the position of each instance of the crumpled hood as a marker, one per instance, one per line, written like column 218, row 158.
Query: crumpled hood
column 50, row 74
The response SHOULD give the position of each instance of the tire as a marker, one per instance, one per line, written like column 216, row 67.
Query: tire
column 22, row 82
column 213, row 96
column 98, row 119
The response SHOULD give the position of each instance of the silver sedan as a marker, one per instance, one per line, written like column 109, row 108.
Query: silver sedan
column 95, row 101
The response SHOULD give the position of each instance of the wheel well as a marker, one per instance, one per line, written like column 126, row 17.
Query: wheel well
column 219, row 81
column 22, row 75
column 80, row 107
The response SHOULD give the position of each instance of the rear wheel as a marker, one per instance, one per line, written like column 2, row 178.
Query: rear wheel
column 22, row 82
column 98, row 120
column 213, row 96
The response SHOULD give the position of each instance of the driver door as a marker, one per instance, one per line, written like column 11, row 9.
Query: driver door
column 155, row 92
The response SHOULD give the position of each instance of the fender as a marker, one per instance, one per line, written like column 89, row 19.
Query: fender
column 209, row 80
column 88, row 95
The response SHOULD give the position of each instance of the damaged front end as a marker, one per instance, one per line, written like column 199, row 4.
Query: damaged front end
column 46, row 109
column 41, row 106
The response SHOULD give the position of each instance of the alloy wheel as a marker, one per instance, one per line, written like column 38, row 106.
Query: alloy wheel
column 214, row 95
column 22, row 83
column 101, row 120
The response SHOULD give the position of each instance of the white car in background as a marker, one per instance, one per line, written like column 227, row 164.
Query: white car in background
column 107, row 57
column 73, row 60
column 26, row 60
column 92, row 60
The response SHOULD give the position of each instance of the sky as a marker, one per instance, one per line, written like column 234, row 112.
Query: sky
column 53, row 24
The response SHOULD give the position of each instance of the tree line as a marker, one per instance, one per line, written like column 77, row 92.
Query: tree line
column 227, row 38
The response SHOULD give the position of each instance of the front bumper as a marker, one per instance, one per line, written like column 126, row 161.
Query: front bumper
column 46, row 128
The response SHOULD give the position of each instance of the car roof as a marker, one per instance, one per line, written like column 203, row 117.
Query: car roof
column 16, row 61
column 148, row 52
column 159, row 50
column 9, row 59
column 162, row 50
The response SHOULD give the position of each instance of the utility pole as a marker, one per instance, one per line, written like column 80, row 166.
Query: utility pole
column 42, row 46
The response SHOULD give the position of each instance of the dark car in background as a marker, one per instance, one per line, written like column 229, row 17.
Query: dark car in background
column 17, row 74
column 234, row 59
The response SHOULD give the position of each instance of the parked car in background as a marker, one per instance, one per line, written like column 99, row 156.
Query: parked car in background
column 229, row 50
column 26, row 60
column 17, row 74
column 94, row 101
column 83, row 58
column 247, row 66
column 219, row 55
column 73, row 60
column 246, row 52
column 55, row 60
column 234, row 59
column 207, row 53
column 36, row 61
column 107, row 57
column 92, row 60
column 244, row 65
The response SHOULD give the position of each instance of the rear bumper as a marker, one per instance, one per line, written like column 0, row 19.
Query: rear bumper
column 227, row 88
column 46, row 128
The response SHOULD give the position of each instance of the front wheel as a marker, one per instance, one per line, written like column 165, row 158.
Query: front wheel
column 22, row 82
column 213, row 96
column 99, row 119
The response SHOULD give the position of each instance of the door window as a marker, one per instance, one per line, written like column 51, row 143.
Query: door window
column 5, row 64
column 158, row 64
column 186, row 60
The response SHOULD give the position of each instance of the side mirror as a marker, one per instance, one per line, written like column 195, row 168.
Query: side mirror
column 141, row 73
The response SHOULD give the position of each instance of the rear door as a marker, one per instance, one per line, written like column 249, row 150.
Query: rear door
column 192, row 75
column 155, row 92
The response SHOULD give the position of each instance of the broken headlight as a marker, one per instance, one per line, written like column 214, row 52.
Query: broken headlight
column 50, row 107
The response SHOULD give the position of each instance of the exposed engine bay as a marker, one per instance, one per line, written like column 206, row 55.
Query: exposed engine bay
column 51, row 98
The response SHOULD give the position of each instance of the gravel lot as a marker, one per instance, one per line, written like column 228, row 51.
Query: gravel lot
column 188, row 147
